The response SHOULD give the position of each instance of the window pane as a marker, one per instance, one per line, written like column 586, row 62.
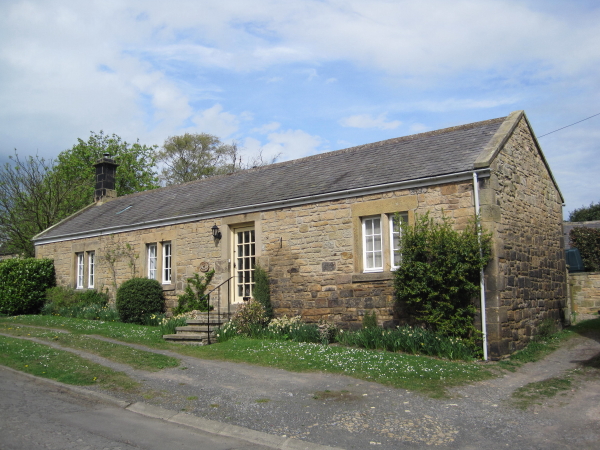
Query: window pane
column 369, row 244
column 377, row 243
column 378, row 260
column 376, row 226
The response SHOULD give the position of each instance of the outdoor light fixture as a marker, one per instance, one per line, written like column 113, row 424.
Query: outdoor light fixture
column 215, row 231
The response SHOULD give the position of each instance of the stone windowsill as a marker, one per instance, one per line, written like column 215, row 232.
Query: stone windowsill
column 374, row 276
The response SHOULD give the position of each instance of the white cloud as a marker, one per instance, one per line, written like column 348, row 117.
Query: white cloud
column 418, row 128
column 215, row 121
column 265, row 129
column 366, row 121
column 286, row 145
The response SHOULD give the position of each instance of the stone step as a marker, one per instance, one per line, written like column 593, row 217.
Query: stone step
column 201, row 321
column 196, row 329
column 190, row 338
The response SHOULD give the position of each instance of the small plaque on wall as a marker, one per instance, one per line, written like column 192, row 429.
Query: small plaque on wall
column 204, row 266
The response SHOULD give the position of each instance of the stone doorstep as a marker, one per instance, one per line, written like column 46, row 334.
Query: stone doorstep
column 190, row 338
column 190, row 329
column 206, row 322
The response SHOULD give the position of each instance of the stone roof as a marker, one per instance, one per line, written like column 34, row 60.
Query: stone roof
column 338, row 173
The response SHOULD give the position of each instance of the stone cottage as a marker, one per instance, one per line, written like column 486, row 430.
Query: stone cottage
column 323, row 228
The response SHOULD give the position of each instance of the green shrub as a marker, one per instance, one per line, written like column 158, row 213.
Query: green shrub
column 23, row 284
column 93, row 297
column 250, row 317
column 369, row 320
column 139, row 298
column 587, row 240
column 262, row 290
column 195, row 299
column 62, row 296
column 83, row 311
column 439, row 274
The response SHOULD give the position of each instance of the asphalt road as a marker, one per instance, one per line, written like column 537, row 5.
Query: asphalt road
column 36, row 415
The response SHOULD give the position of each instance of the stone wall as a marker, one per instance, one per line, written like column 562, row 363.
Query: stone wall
column 313, row 253
column 584, row 292
column 526, row 280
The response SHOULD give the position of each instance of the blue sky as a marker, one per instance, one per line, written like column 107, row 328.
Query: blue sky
column 302, row 77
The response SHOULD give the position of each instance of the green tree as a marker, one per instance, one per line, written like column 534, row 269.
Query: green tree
column 32, row 198
column 136, row 171
column 438, row 277
column 584, row 214
column 36, row 194
column 196, row 156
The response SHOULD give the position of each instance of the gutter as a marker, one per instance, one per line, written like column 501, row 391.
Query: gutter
column 481, row 274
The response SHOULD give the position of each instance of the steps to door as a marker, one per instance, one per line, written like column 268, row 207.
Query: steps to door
column 198, row 330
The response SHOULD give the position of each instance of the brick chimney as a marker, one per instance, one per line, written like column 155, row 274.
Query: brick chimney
column 106, row 169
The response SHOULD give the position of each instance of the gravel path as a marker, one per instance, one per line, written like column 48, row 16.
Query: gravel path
column 353, row 414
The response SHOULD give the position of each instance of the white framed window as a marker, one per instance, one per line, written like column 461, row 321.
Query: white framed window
column 80, row 270
column 166, row 268
column 372, row 244
column 91, row 268
column 244, row 257
column 395, row 239
column 152, row 261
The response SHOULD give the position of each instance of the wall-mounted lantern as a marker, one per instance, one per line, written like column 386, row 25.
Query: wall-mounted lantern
column 216, row 232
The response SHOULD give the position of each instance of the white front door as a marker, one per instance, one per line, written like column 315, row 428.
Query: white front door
column 244, row 251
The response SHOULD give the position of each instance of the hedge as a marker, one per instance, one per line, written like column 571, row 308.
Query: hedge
column 23, row 284
column 587, row 240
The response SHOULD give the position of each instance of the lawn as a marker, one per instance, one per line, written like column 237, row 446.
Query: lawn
column 419, row 373
column 431, row 376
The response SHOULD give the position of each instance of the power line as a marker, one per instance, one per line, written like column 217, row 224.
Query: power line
column 568, row 126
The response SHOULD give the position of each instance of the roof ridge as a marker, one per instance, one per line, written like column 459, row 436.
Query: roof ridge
column 328, row 154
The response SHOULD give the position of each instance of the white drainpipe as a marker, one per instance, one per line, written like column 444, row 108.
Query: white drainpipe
column 481, row 275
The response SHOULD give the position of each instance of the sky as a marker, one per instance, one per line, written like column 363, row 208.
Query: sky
column 297, row 78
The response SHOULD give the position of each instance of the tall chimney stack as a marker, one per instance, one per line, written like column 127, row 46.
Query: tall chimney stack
column 106, row 169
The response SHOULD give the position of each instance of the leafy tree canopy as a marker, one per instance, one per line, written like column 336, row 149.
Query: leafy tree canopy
column 584, row 214
column 36, row 193
column 136, row 171
column 192, row 157
column 31, row 200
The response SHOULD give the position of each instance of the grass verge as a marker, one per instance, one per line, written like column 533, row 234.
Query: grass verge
column 59, row 365
column 537, row 392
column 126, row 332
column 138, row 359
